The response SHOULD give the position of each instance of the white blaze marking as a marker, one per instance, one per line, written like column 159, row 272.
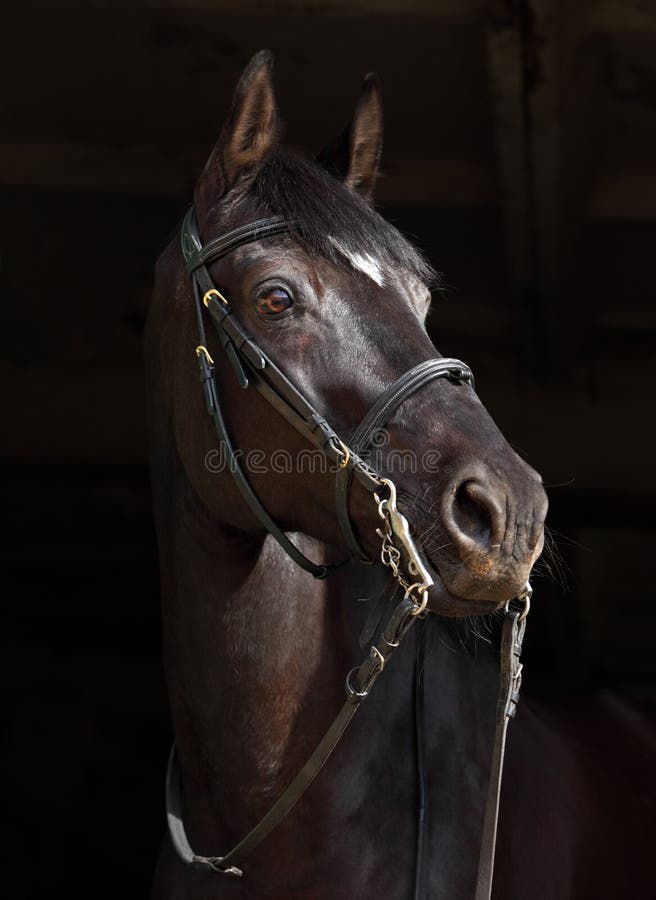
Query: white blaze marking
column 365, row 264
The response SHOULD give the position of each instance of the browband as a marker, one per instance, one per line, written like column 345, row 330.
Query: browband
column 195, row 255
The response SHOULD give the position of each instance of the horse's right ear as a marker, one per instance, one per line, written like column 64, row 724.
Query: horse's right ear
column 355, row 156
column 247, row 138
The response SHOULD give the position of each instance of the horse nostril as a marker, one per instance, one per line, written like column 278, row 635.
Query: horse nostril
column 471, row 515
column 476, row 517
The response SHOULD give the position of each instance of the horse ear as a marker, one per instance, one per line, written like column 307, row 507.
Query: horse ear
column 247, row 137
column 355, row 155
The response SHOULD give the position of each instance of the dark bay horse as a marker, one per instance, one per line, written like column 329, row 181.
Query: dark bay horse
column 256, row 649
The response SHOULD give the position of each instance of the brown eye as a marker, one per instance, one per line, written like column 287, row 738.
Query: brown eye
column 273, row 301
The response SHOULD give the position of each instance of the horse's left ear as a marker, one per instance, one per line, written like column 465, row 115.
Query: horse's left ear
column 247, row 138
column 355, row 155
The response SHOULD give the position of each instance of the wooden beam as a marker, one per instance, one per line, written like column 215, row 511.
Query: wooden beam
column 562, row 158
column 530, row 59
column 621, row 17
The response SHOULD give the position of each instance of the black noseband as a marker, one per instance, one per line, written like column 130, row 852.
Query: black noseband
column 378, row 416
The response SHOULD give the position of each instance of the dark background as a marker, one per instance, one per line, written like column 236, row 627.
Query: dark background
column 520, row 152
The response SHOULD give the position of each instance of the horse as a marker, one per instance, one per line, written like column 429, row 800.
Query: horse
column 262, row 615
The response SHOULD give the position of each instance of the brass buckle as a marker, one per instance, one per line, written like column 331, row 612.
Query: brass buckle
column 214, row 293
column 346, row 453
column 202, row 349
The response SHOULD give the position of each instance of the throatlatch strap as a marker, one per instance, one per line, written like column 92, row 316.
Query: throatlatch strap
column 257, row 508
column 234, row 342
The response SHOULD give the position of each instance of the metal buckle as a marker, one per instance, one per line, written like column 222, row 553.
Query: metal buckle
column 215, row 862
column 214, row 293
column 202, row 349
column 346, row 453
column 350, row 690
column 378, row 657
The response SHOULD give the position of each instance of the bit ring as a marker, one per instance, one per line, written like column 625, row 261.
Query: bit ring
column 419, row 607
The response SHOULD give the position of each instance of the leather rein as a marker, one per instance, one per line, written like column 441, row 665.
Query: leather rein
column 399, row 553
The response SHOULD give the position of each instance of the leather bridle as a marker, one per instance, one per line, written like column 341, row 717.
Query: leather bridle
column 253, row 367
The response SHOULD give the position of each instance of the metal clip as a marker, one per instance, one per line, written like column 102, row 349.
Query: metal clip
column 396, row 527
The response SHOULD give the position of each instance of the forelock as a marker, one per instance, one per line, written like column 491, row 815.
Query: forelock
column 331, row 220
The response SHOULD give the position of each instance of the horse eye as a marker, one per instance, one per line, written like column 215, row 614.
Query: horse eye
column 273, row 301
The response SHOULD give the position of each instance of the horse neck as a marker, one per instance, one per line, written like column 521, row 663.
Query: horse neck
column 461, row 681
column 256, row 653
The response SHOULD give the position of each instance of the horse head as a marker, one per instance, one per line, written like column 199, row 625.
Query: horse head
column 339, row 301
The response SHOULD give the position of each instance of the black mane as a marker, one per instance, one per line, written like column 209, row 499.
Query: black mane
column 321, row 208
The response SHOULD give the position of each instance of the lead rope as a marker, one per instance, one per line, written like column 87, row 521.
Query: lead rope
column 512, row 637
column 421, row 865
